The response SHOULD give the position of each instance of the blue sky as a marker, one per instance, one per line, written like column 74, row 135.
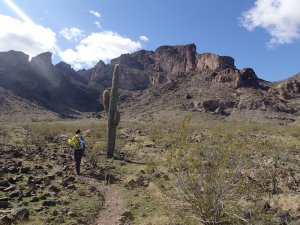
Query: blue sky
column 261, row 34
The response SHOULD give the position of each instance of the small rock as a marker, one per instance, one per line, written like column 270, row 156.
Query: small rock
column 188, row 96
column 54, row 212
column 50, row 177
column 15, row 194
column 71, row 187
column 65, row 182
column 64, row 210
column 166, row 177
column 46, row 183
column 20, row 213
column 60, row 220
column 25, row 170
column 49, row 166
column 4, row 183
column 81, row 221
column 72, row 214
column 45, row 196
column 135, row 205
column 125, row 217
column 5, row 220
column 93, row 189
column 38, row 208
column 3, row 204
column 34, row 199
column 9, row 189
column 12, row 169
column 38, row 167
column 54, row 189
column 48, row 203
column 38, row 180
column 59, row 173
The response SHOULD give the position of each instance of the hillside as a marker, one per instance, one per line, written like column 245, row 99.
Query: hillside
column 171, row 77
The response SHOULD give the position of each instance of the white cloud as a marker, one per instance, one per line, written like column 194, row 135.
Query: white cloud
column 104, row 45
column 25, row 36
column 17, row 10
column 72, row 33
column 144, row 38
column 281, row 19
column 95, row 13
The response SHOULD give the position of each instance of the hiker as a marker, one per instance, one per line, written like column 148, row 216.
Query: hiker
column 78, row 145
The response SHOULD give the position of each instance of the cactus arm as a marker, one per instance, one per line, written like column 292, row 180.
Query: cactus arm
column 106, row 97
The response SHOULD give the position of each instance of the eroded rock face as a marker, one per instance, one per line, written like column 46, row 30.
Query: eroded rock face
column 209, row 61
column 141, row 69
column 288, row 89
column 101, row 74
column 238, row 78
column 248, row 77
column 14, row 59
column 42, row 61
column 176, row 59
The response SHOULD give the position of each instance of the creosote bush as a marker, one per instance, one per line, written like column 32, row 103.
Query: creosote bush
column 224, row 174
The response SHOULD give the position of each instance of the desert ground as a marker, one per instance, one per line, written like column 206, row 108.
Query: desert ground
column 177, row 168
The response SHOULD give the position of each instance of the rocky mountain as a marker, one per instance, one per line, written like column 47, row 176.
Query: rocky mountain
column 170, row 77
column 57, row 88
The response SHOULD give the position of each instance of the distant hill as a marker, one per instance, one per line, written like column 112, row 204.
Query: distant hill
column 174, row 77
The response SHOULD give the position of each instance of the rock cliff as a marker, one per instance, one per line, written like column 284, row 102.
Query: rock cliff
column 171, row 76
column 144, row 68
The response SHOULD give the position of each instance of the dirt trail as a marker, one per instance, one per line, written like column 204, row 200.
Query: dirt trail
column 113, row 206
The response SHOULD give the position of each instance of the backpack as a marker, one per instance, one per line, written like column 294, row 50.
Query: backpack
column 81, row 142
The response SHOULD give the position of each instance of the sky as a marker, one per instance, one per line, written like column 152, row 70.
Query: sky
column 260, row 34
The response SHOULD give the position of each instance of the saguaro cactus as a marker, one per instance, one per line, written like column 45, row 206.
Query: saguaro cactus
column 110, row 105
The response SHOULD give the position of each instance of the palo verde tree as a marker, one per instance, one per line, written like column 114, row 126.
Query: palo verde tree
column 110, row 105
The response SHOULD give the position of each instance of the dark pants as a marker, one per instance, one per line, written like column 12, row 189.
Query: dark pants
column 78, row 153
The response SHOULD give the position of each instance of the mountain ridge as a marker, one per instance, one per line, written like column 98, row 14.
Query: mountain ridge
column 185, row 79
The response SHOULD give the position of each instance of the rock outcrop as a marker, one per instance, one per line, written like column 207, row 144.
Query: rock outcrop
column 13, row 59
column 237, row 78
column 288, row 89
column 175, row 59
column 42, row 62
column 209, row 61
column 59, row 89
column 144, row 68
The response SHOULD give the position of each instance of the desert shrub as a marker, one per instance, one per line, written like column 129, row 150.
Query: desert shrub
column 211, row 175
column 94, row 151
column 4, row 138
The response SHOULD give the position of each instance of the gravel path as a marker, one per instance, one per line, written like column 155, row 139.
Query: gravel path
column 113, row 206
